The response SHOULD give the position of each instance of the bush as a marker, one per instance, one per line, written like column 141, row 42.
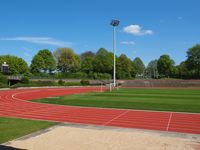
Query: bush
column 72, row 84
column 3, row 79
column 85, row 82
column 77, row 75
column 25, row 80
column 102, row 76
column 2, row 85
column 61, row 82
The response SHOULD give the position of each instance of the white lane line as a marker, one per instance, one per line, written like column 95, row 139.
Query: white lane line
column 169, row 121
column 116, row 117
column 23, row 92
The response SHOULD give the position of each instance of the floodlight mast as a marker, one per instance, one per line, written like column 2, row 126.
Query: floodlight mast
column 114, row 23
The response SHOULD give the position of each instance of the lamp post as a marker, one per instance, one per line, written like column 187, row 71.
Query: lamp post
column 114, row 23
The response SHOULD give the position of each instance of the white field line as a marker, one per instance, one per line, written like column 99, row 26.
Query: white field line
column 116, row 117
column 169, row 121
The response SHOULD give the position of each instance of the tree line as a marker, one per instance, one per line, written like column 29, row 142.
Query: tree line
column 65, row 63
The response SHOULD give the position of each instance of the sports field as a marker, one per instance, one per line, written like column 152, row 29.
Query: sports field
column 16, row 103
column 177, row 100
column 12, row 128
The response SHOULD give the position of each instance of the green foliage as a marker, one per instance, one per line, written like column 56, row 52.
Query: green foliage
column 2, row 85
column 193, row 60
column 25, row 80
column 37, row 64
column 165, row 65
column 35, row 84
column 101, row 76
column 87, row 54
column 67, row 60
column 76, row 75
column 85, row 82
column 124, row 67
column 3, row 79
column 87, row 64
column 184, row 73
column 72, row 84
column 16, row 65
column 152, row 69
column 43, row 61
column 61, row 82
column 138, row 66
column 103, row 61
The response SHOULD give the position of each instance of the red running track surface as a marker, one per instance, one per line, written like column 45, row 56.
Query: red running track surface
column 13, row 103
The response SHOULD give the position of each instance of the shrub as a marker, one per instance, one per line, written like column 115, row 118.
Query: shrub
column 85, row 82
column 72, row 84
column 61, row 82
column 77, row 75
column 3, row 79
column 25, row 80
column 102, row 76
column 2, row 85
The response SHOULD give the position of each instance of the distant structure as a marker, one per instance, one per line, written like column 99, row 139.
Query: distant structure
column 5, row 68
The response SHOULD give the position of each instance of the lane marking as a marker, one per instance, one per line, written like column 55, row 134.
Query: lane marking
column 116, row 117
column 169, row 121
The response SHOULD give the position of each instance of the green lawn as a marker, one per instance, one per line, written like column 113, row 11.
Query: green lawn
column 181, row 100
column 11, row 128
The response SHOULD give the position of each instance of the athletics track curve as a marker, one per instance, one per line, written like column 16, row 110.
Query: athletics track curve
column 14, row 103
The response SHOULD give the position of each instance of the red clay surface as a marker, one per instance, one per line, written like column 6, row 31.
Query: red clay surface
column 13, row 103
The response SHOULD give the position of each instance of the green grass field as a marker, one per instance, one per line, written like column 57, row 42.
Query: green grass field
column 11, row 128
column 180, row 100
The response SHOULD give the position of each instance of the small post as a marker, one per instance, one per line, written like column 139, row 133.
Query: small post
column 110, row 87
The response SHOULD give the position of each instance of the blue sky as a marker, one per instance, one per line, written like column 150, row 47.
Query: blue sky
column 147, row 29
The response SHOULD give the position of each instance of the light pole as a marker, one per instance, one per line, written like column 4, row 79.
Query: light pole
column 114, row 23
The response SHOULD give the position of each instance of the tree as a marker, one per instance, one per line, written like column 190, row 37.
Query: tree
column 165, row 65
column 49, row 61
column 67, row 60
column 43, row 61
column 138, row 66
column 183, row 70
column 37, row 64
column 152, row 70
column 87, row 54
column 193, row 60
column 87, row 64
column 16, row 65
column 103, row 61
column 124, row 67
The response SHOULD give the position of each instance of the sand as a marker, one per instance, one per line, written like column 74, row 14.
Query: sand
column 69, row 137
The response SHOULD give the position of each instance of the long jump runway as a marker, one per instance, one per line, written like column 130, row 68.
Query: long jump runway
column 14, row 103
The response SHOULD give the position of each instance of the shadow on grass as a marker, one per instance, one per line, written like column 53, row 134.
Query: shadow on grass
column 2, row 147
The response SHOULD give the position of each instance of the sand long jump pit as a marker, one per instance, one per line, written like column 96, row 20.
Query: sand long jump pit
column 88, row 137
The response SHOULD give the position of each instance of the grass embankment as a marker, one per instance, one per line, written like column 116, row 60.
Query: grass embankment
column 11, row 128
column 180, row 100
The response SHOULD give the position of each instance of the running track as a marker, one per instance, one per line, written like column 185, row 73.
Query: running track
column 14, row 103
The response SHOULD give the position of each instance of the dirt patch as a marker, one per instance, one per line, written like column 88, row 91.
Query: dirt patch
column 90, row 138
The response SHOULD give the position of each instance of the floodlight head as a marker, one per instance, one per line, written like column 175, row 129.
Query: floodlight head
column 115, row 23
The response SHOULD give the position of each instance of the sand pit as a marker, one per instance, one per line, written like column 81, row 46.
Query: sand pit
column 73, row 137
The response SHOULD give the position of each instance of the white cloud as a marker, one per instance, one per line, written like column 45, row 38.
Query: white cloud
column 128, row 42
column 137, row 30
column 39, row 40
